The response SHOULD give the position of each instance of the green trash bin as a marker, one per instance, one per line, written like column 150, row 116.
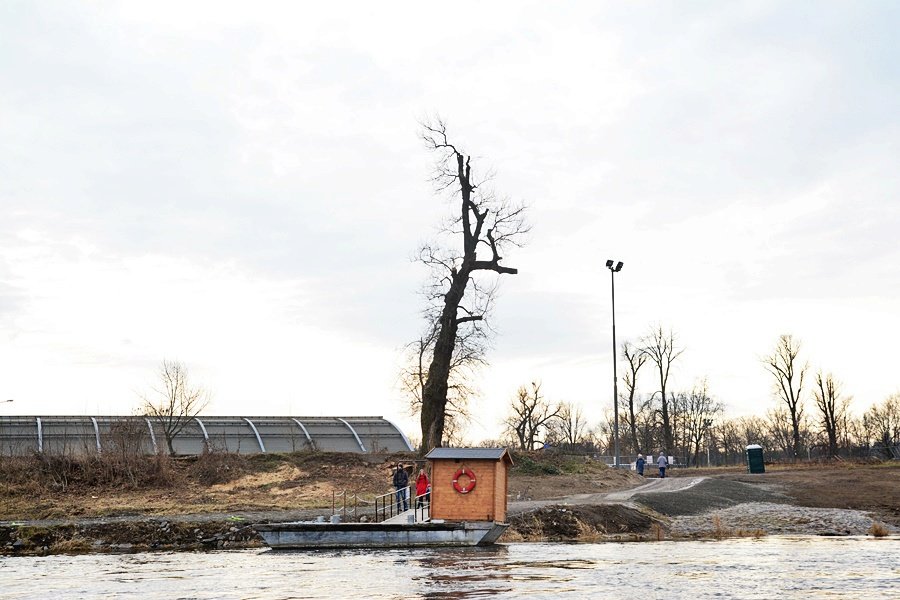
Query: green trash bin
column 755, row 462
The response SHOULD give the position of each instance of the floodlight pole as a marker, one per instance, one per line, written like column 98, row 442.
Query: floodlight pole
column 612, row 276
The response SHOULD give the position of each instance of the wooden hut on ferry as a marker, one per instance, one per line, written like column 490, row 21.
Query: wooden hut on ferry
column 469, row 484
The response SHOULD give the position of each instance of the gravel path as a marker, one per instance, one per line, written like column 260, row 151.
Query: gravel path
column 709, row 506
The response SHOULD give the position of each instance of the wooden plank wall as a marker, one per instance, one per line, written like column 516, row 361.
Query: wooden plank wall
column 478, row 505
column 500, row 491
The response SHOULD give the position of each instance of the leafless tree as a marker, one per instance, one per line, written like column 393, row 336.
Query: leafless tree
column 468, row 356
column 569, row 427
column 789, row 374
column 832, row 408
column 649, row 427
column 698, row 411
column 484, row 226
column 726, row 435
column 882, row 424
column 661, row 347
column 530, row 414
column 779, row 431
column 754, row 430
column 635, row 359
column 174, row 400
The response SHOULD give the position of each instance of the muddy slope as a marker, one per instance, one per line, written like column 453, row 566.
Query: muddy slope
column 579, row 522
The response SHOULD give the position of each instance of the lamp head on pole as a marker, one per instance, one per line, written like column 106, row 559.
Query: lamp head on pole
column 615, row 269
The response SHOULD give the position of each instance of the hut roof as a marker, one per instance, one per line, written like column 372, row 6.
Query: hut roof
column 469, row 454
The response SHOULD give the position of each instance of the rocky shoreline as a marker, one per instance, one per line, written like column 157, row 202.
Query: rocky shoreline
column 558, row 523
column 126, row 536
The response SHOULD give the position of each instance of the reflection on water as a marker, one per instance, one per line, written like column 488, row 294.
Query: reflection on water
column 783, row 567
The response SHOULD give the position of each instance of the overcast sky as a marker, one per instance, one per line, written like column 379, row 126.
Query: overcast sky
column 241, row 187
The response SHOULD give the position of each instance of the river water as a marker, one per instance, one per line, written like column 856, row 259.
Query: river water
column 772, row 567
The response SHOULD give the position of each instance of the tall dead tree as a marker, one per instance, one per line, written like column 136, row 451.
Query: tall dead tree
column 660, row 347
column 482, row 227
column 832, row 408
column 789, row 374
column 468, row 356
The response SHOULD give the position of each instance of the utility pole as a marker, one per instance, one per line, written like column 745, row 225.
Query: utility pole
column 612, row 275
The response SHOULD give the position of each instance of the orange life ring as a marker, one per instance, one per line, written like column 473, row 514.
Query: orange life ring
column 464, row 489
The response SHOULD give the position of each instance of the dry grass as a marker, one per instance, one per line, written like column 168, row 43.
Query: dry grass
column 719, row 531
column 878, row 530
column 71, row 546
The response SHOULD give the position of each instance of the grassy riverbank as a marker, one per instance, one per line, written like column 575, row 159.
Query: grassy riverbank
column 109, row 503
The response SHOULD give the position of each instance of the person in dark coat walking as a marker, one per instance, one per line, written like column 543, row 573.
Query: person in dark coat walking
column 639, row 464
column 401, row 485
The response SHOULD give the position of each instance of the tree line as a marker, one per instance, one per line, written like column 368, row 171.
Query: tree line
column 809, row 416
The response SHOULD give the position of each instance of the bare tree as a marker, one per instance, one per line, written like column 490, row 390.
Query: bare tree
column 530, row 414
column 569, row 427
column 754, row 430
column 661, row 348
column 468, row 356
column 882, row 425
column 727, row 438
column 698, row 412
column 649, row 426
column 789, row 374
column 635, row 359
column 486, row 225
column 832, row 408
column 174, row 400
column 779, row 431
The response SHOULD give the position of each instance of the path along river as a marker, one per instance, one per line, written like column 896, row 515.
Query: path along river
column 772, row 567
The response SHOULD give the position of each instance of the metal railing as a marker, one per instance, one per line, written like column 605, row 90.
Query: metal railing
column 381, row 507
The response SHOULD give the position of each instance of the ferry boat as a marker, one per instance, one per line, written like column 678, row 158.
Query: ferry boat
column 467, row 507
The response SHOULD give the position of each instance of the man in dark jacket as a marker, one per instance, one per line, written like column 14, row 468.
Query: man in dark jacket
column 401, row 484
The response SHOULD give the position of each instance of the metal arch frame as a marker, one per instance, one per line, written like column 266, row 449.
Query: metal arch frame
column 403, row 435
column 40, row 433
column 353, row 431
column 152, row 435
column 305, row 432
column 203, row 429
column 97, row 434
column 262, row 446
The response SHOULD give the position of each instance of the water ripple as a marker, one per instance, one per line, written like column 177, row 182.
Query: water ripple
column 784, row 567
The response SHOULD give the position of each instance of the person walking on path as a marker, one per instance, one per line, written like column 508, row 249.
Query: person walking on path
column 421, row 489
column 662, row 463
column 639, row 464
column 401, row 485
